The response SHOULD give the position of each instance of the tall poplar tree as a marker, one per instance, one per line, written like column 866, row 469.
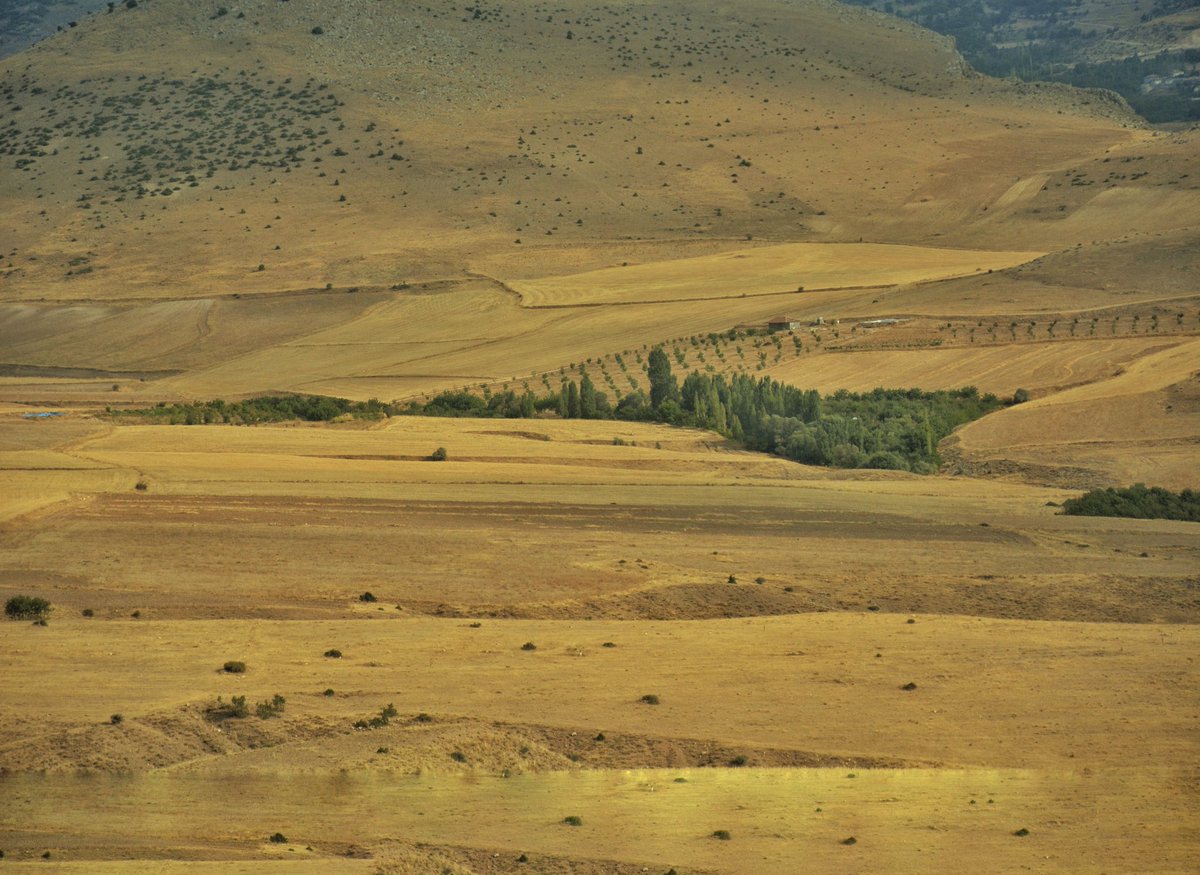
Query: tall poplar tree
column 663, row 386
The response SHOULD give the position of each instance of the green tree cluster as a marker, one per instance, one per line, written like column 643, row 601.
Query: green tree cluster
column 25, row 607
column 1138, row 502
column 268, row 408
column 885, row 428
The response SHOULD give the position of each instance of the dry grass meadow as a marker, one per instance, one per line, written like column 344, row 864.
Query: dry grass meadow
column 940, row 668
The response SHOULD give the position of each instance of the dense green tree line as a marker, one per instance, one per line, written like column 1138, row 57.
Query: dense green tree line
column 1137, row 501
column 268, row 408
column 885, row 428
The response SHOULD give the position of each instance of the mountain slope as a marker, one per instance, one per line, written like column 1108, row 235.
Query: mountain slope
column 166, row 150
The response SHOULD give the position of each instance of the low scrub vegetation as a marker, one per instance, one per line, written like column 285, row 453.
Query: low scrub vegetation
column 380, row 720
column 237, row 708
column 1139, row 502
column 271, row 708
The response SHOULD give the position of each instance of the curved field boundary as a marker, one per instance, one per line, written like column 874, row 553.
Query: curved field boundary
column 1042, row 366
column 762, row 271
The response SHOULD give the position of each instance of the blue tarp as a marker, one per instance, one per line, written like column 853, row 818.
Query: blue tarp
column 41, row 415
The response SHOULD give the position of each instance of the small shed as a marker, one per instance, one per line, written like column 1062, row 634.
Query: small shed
column 782, row 323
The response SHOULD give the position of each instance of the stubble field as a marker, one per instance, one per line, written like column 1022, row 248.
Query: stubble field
column 1042, row 701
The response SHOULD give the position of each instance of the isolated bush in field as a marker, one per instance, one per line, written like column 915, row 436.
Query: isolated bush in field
column 1020, row 396
column 24, row 607
column 573, row 820
column 529, row 645
column 278, row 839
column 333, row 653
column 88, row 612
column 650, row 699
column 722, row 834
column 438, row 455
column 367, row 597
column 116, row 719
column 234, row 667
column 458, row 756
column 329, row 694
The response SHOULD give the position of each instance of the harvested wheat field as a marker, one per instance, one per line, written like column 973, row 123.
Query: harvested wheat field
column 765, row 270
column 526, row 594
column 396, row 643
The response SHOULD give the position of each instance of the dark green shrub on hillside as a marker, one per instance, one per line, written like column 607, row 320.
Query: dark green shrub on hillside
column 24, row 607
column 1137, row 502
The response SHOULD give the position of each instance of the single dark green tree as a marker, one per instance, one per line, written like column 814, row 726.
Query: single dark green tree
column 573, row 400
column 663, row 386
column 587, row 398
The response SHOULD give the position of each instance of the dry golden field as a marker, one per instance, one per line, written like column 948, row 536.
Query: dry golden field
column 1052, row 656
column 198, row 206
